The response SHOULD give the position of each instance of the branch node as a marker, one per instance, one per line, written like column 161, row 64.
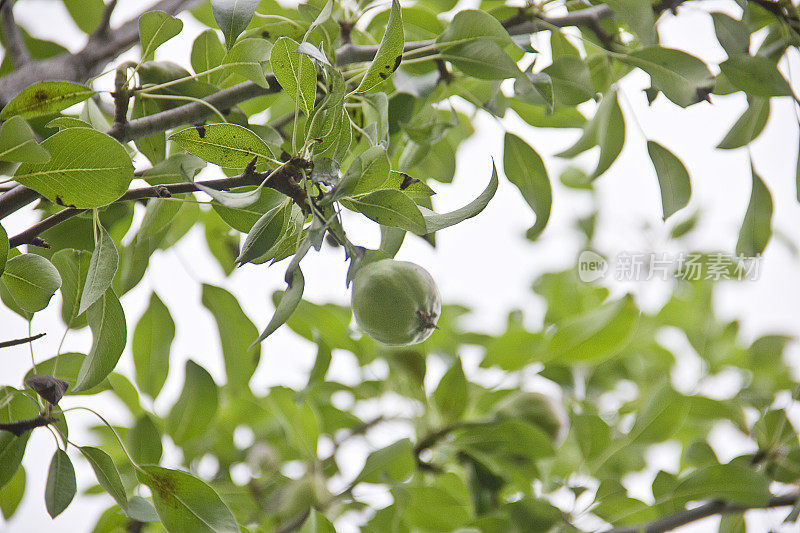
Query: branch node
column 122, row 97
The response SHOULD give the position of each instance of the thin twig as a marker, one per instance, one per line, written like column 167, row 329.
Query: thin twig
column 17, row 342
column 15, row 45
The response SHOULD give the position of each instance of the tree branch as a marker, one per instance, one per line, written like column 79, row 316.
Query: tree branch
column 16, row 342
column 15, row 46
column 670, row 522
column 18, row 427
column 283, row 180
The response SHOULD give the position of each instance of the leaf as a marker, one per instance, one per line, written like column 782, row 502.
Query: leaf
column 389, row 54
column 313, row 52
column 732, row 34
column 673, row 179
column 185, row 503
column 144, row 441
column 160, row 212
column 109, row 333
column 639, row 16
column 438, row 221
column 45, row 98
column 288, row 303
column 756, row 75
column 596, row 335
column 67, row 122
column 368, row 171
column 295, row 72
column 18, row 143
column 153, row 147
column 31, row 280
column 736, row 483
column 316, row 521
column 226, row 145
column 233, row 16
column 756, row 228
column 572, row 82
column 660, row 418
column 237, row 332
column 748, row 126
column 247, row 58
column 4, row 247
column 87, row 14
column 606, row 130
column 11, row 495
column 195, row 409
column 152, row 341
column 392, row 464
column 207, row 53
column 682, row 78
column 525, row 169
column 102, row 267
column 389, row 207
column 107, row 473
column 473, row 25
column 73, row 267
column 156, row 28
column 79, row 177
column 451, row 394
column 264, row 234
column 61, row 486
column 483, row 59
column 13, row 406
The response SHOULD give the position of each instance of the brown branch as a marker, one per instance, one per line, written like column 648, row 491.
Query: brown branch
column 681, row 518
column 284, row 181
column 122, row 97
column 18, row 427
column 15, row 46
column 16, row 342
column 104, row 27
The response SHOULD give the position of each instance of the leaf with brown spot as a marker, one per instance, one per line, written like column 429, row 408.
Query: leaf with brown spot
column 45, row 98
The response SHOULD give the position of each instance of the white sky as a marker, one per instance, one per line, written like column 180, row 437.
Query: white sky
column 485, row 262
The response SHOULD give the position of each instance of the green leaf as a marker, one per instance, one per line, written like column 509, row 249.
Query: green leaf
column 185, row 503
column 79, row 177
column 109, row 334
column 107, row 473
column 11, row 495
column 368, row 171
column 682, row 78
column 639, row 17
column 67, row 122
column 226, row 145
column 160, row 212
column 61, row 486
column 483, row 59
column 389, row 54
column 673, row 179
column 289, row 301
column 152, row 341
column 525, row 169
column 73, row 267
column 474, row 25
column 102, row 268
column 295, row 72
column 736, row 483
column 748, row 126
column 438, row 221
column 606, row 130
column 572, row 82
column 153, row 147
column 31, row 280
column 156, row 28
column 144, row 441
column 18, row 143
column 756, row 75
column 316, row 521
column 756, row 228
column 660, row 418
column 392, row 464
column 233, row 16
column 207, row 52
column 537, row 115
column 732, row 34
column 438, row 507
column 596, row 335
column 195, row 409
column 4, row 247
column 264, row 234
column 13, row 406
column 237, row 332
column 45, row 98
column 451, row 394
column 247, row 58
column 389, row 207
column 87, row 14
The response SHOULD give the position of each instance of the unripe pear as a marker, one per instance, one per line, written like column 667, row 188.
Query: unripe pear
column 536, row 409
column 395, row 302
